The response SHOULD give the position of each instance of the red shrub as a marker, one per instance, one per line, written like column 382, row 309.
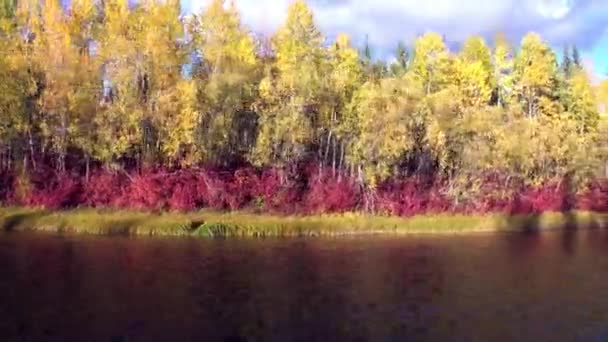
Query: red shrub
column 299, row 188
column 595, row 198
column 184, row 196
column 411, row 196
column 549, row 197
column 278, row 196
column 47, row 189
column 270, row 186
column 327, row 194
column 103, row 189
column 211, row 190
column 146, row 191
column 242, row 189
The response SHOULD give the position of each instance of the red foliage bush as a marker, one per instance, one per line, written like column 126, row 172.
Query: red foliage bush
column 63, row 193
column 296, row 189
column 243, row 188
column 411, row 196
column 279, row 193
column 211, row 189
column 492, row 197
column 595, row 198
column 184, row 196
column 47, row 189
column 149, row 190
column 328, row 194
column 545, row 198
column 103, row 189
column 269, row 188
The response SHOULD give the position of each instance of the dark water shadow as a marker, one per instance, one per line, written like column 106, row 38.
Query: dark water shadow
column 529, row 224
column 569, row 233
column 123, row 227
column 570, row 225
column 522, row 218
column 12, row 222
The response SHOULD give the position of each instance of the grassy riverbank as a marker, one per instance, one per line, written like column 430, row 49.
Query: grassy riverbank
column 213, row 224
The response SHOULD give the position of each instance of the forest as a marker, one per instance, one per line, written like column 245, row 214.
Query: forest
column 112, row 104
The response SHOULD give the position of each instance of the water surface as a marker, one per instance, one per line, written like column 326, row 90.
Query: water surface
column 485, row 287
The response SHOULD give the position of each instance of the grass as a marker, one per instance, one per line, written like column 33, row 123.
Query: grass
column 240, row 224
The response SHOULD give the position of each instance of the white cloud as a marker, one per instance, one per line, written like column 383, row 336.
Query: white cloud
column 388, row 21
column 384, row 20
column 260, row 15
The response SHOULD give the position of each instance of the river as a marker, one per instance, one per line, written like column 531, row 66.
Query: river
column 483, row 287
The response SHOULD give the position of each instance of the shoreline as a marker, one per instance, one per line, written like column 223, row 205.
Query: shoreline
column 208, row 224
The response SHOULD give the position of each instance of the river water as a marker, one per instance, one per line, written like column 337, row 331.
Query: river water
column 485, row 287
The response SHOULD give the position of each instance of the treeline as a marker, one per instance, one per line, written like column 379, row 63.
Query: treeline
column 105, row 85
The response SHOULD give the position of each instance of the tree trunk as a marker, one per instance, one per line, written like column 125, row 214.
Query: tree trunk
column 137, row 162
column 61, row 161
column 369, row 199
column 87, row 160
column 5, row 159
column 327, row 147
column 281, row 176
column 9, row 157
column 31, row 146
column 64, row 139
column 341, row 161
column 333, row 158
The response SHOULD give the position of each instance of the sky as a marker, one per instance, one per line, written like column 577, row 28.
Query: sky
column 385, row 22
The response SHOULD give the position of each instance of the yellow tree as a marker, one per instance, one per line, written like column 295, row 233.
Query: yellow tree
column 86, row 90
column 503, row 69
column 58, row 58
column 431, row 63
column 28, row 24
column 474, row 73
column 16, row 85
column 385, row 118
column 149, row 109
column 7, row 9
column 119, row 121
column 467, row 149
column 602, row 96
column 535, row 77
column 581, row 103
column 290, row 93
column 226, row 77
column 168, row 101
column 338, row 122
column 442, row 113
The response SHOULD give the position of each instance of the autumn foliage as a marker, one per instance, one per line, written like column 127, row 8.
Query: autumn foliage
column 121, row 104
column 247, row 188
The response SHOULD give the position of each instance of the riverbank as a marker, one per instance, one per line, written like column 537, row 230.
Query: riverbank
column 240, row 224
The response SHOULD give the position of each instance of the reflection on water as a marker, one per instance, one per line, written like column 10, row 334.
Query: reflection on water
column 494, row 287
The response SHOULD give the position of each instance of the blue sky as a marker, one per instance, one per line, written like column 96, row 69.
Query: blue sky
column 560, row 22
